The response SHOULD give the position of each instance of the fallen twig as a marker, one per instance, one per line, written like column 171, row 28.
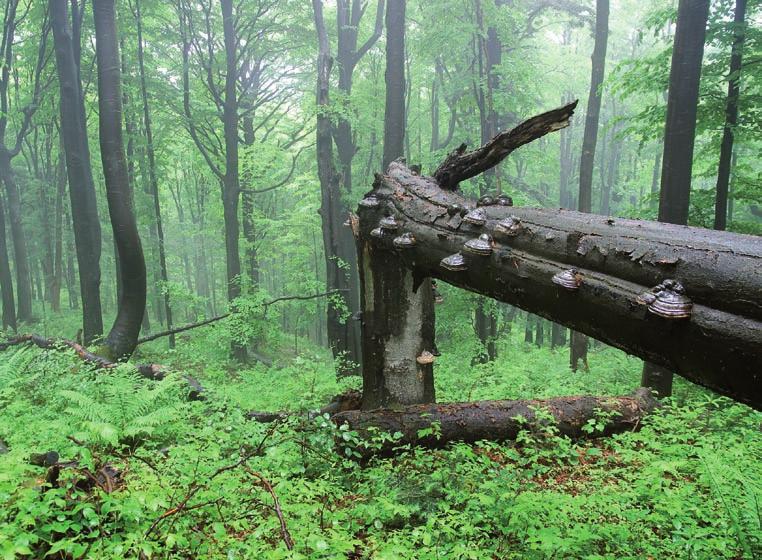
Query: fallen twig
column 289, row 542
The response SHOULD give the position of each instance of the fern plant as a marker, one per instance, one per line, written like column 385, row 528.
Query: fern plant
column 124, row 408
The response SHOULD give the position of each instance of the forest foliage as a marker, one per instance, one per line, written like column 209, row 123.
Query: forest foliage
column 105, row 464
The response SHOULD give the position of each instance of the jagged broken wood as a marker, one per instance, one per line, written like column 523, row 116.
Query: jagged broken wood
column 436, row 425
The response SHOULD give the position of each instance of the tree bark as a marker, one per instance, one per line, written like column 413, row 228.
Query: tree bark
column 18, row 238
column 720, row 346
column 346, row 345
column 398, row 326
column 470, row 422
column 153, row 179
column 682, row 104
column 231, row 181
column 578, row 349
column 679, row 137
column 731, row 117
column 331, row 205
column 6, row 279
column 84, row 208
column 123, row 336
column 394, row 116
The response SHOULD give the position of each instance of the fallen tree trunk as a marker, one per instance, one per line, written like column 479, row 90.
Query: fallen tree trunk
column 436, row 425
column 154, row 372
column 719, row 345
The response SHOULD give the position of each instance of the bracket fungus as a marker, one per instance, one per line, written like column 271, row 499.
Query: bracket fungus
column 425, row 358
column 389, row 223
column 369, row 202
column 569, row 279
column 670, row 301
column 482, row 245
column 510, row 226
column 404, row 241
column 454, row 263
column 477, row 217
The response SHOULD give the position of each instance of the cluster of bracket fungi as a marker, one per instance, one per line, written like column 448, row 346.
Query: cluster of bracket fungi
column 667, row 300
column 483, row 245
column 480, row 246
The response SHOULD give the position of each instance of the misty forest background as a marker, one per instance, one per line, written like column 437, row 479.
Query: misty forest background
column 220, row 121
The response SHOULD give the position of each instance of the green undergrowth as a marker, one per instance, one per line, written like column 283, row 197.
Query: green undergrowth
column 152, row 475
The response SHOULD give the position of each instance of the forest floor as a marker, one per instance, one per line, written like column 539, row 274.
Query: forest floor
column 150, row 475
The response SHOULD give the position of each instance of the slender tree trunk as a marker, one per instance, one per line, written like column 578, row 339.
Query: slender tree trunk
column 655, row 179
column 153, row 179
column 55, row 288
column 20, row 254
column 330, row 207
column 679, row 136
column 394, row 116
column 231, row 182
column 579, row 341
column 84, row 209
column 6, row 280
column 731, row 117
column 123, row 336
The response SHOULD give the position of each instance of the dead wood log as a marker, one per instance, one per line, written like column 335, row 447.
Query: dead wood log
column 154, row 372
column 615, row 260
column 496, row 420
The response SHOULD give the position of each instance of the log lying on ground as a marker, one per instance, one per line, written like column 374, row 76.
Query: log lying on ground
column 718, row 346
column 154, row 372
column 496, row 420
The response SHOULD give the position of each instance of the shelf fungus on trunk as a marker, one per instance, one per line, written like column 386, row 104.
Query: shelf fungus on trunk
column 389, row 223
column 670, row 301
column 476, row 217
column 404, row 241
column 569, row 279
column 454, row 263
column 481, row 246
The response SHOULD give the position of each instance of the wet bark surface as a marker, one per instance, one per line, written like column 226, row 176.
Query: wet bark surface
column 719, row 346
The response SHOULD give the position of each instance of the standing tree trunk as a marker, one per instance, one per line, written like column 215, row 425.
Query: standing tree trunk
column 731, row 117
column 123, row 337
column 682, row 104
column 84, row 209
column 679, row 136
column 489, row 56
column 579, row 341
column 231, row 187
column 394, row 116
column 341, row 257
column 9, row 150
column 20, row 254
column 330, row 206
column 6, row 280
column 153, row 180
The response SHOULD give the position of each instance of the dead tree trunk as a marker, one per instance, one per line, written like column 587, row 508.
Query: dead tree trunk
column 616, row 262
column 495, row 420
